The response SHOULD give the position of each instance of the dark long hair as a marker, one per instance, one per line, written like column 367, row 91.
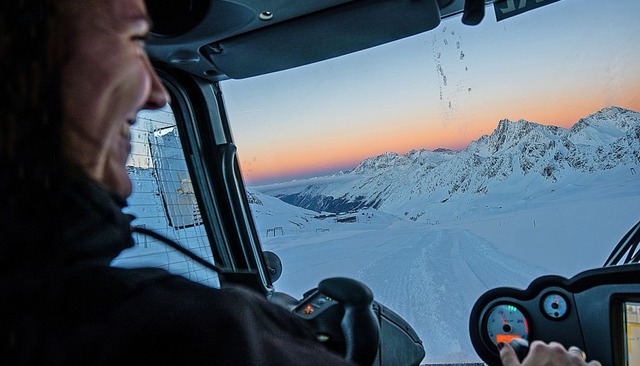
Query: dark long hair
column 31, row 56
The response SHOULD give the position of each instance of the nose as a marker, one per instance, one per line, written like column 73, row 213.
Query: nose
column 158, row 96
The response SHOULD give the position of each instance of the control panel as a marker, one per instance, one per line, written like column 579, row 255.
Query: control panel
column 597, row 311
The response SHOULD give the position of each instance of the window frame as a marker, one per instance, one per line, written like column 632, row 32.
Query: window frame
column 212, row 162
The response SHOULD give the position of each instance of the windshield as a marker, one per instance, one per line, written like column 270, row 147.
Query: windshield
column 440, row 166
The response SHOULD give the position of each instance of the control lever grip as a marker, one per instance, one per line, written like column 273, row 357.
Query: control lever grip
column 521, row 346
column 359, row 324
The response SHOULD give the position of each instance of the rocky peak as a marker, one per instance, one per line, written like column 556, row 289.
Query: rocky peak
column 383, row 161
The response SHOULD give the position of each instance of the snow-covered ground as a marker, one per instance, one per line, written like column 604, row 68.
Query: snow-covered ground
column 431, row 274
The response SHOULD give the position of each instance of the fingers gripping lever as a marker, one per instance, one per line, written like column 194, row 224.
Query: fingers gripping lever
column 359, row 324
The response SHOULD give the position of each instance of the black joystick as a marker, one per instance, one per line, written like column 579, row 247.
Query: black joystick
column 359, row 324
column 521, row 346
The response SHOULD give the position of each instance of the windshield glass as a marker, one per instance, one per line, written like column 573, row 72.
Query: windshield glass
column 442, row 165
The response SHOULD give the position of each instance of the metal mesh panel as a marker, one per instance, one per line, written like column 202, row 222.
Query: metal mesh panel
column 163, row 201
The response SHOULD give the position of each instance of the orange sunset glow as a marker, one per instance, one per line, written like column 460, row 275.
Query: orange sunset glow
column 346, row 152
column 440, row 89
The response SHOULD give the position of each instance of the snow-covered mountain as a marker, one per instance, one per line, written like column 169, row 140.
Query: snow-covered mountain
column 516, row 157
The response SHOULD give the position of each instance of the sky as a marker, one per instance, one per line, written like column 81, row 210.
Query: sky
column 443, row 88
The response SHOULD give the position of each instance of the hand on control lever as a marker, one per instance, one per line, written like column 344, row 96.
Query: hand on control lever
column 519, row 352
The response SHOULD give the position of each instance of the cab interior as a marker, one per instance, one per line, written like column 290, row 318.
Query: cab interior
column 189, row 181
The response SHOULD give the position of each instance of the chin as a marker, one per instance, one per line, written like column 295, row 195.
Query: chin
column 125, row 189
column 119, row 183
column 125, row 193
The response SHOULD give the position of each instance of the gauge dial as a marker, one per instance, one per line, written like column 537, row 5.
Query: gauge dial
column 506, row 322
column 554, row 305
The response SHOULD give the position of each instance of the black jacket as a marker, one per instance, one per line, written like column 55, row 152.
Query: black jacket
column 69, row 307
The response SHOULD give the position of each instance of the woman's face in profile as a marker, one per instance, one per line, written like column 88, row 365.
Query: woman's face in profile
column 108, row 78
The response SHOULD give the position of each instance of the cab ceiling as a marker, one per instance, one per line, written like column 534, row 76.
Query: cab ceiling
column 217, row 39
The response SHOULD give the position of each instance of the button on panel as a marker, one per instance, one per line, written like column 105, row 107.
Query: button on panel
column 314, row 305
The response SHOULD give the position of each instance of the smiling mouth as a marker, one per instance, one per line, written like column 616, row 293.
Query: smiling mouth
column 125, row 132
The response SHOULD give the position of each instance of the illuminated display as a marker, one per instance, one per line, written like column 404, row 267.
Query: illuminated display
column 632, row 332
column 505, row 322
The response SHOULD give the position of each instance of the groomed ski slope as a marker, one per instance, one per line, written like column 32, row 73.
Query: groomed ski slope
column 431, row 274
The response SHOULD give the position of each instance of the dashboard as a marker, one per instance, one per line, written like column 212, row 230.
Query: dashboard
column 346, row 319
column 597, row 310
column 399, row 344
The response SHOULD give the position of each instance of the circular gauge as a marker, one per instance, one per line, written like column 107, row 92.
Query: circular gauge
column 506, row 322
column 554, row 305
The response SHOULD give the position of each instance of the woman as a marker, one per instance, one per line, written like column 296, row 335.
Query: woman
column 74, row 76
column 77, row 76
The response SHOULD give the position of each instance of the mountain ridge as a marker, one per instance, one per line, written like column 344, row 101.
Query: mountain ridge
column 516, row 154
